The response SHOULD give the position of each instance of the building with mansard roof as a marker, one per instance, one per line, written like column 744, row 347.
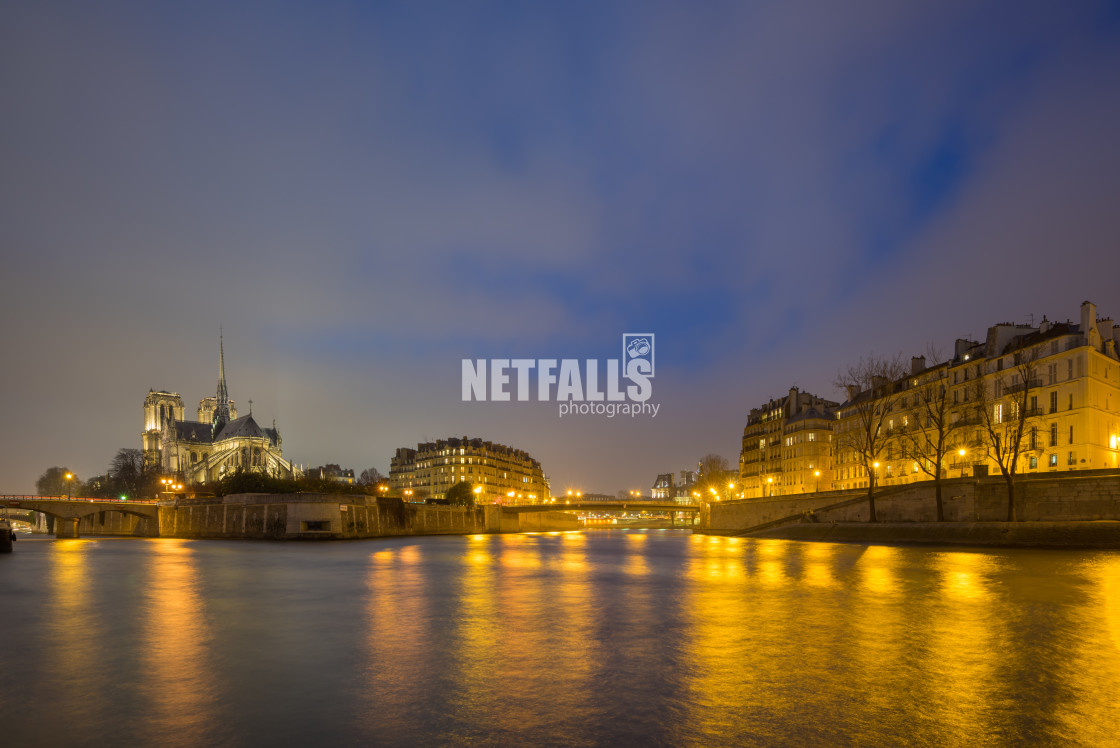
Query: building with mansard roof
column 219, row 443
column 501, row 474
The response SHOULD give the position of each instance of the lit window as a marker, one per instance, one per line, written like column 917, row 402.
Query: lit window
column 1053, row 460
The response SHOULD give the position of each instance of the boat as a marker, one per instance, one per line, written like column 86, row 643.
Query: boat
column 7, row 535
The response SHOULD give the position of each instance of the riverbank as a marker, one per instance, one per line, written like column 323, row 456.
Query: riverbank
column 1103, row 534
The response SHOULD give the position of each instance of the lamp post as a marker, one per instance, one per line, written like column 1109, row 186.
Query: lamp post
column 961, row 452
column 769, row 486
column 817, row 473
column 69, row 484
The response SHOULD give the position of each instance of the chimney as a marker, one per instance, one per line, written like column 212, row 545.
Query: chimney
column 853, row 390
column 1089, row 333
column 917, row 364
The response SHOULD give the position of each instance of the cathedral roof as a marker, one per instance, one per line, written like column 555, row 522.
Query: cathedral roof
column 243, row 427
column 194, row 431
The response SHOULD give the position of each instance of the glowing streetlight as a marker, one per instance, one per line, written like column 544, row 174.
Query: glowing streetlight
column 69, row 483
column 961, row 452
column 769, row 486
column 817, row 473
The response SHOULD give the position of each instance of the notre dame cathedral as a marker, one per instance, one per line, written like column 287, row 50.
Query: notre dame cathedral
column 217, row 444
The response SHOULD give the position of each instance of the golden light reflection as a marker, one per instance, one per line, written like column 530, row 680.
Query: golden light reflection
column 74, row 624
column 878, row 629
column 177, row 646
column 398, row 640
column 1091, row 671
column 961, row 575
column 819, row 563
column 878, row 569
column 961, row 663
column 770, row 564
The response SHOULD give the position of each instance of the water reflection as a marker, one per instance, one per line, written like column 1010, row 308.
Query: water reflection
column 399, row 657
column 75, row 630
column 1091, row 669
column 960, row 661
column 181, row 685
column 602, row 638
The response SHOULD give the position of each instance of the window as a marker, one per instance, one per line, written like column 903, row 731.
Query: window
column 1033, row 439
column 1072, row 459
column 1054, row 401
column 997, row 413
column 1034, row 462
column 812, row 436
column 1071, row 434
column 1053, row 347
column 1070, row 402
column 1034, row 403
column 1053, row 460
column 1053, row 434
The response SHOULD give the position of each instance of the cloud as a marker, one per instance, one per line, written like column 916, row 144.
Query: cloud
column 363, row 196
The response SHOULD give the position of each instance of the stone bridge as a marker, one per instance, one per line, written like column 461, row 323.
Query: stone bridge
column 68, row 512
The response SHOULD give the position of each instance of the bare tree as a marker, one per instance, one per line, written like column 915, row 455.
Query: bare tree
column 1008, row 417
column 873, row 390
column 929, row 423
column 128, row 473
column 53, row 481
column 714, row 474
column 370, row 477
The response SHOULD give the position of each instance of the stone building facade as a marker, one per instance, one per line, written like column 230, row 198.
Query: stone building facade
column 502, row 474
column 219, row 443
column 787, row 446
column 1065, row 377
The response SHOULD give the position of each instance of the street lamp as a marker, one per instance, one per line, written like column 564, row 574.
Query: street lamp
column 769, row 486
column 69, row 483
column 961, row 452
column 817, row 473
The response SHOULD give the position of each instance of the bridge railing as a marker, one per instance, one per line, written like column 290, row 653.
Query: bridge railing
column 24, row 497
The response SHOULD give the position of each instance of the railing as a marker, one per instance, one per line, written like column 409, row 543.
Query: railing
column 24, row 497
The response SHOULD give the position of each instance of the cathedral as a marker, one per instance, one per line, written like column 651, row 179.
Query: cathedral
column 217, row 444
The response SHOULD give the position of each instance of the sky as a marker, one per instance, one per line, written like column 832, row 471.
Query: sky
column 360, row 195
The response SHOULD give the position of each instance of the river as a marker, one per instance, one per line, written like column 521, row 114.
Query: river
column 604, row 637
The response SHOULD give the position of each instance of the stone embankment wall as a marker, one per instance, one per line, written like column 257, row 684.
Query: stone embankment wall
column 111, row 522
column 330, row 516
column 1082, row 497
column 538, row 522
column 281, row 516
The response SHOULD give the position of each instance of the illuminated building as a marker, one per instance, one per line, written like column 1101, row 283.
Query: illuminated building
column 1072, row 403
column 217, row 444
column 787, row 446
column 504, row 474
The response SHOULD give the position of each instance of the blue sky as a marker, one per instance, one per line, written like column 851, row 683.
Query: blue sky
column 362, row 194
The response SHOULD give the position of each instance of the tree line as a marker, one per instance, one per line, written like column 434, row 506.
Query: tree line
column 129, row 477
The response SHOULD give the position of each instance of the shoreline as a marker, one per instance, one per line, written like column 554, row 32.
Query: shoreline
column 1102, row 534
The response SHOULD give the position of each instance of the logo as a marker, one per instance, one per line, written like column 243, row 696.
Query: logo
column 578, row 386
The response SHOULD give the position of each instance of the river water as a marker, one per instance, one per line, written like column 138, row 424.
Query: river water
column 598, row 638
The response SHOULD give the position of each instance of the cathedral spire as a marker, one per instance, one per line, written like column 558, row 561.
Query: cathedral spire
column 221, row 412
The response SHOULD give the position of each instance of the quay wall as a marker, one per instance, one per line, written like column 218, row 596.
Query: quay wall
column 110, row 522
column 332, row 516
column 1083, row 497
column 996, row 534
